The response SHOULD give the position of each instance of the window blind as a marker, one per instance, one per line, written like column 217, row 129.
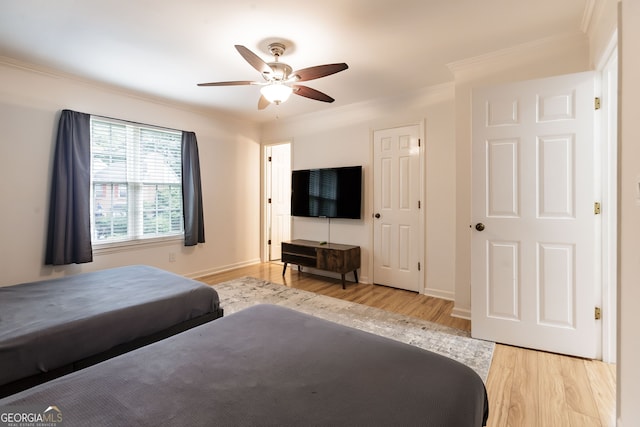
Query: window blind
column 136, row 179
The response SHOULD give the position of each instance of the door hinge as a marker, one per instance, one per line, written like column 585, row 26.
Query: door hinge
column 269, row 200
column 419, row 142
column 596, row 208
column 597, row 103
column 269, row 158
column 598, row 313
column 419, row 204
column 269, row 242
column 418, row 266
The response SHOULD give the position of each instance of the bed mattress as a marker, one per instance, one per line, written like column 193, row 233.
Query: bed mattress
column 49, row 324
column 268, row 365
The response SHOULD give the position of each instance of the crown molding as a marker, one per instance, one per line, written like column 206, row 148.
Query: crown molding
column 113, row 89
column 587, row 15
column 546, row 44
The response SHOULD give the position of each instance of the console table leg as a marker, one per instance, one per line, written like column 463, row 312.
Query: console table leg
column 343, row 281
column 355, row 274
column 284, row 269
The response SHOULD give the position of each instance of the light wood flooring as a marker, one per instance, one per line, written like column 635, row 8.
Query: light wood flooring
column 525, row 387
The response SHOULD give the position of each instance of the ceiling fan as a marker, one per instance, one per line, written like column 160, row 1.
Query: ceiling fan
column 280, row 79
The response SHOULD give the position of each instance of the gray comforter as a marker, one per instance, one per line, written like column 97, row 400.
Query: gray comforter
column 48, row 324
column 268, row 365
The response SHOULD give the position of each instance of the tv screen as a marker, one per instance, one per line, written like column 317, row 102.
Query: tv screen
column 328, row 192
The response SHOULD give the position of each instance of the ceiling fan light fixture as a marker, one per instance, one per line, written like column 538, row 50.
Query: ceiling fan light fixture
column 280, row 79
column 276, row 92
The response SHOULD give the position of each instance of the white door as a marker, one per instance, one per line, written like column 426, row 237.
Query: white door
column 534, row 265
column 397, row 188
column 278, row 179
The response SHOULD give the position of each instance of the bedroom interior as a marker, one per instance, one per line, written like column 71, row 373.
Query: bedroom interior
column 232, row 133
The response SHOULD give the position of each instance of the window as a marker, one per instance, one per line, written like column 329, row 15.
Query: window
column 136, row 182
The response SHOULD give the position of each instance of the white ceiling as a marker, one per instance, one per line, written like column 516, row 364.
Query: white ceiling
column 163, row 48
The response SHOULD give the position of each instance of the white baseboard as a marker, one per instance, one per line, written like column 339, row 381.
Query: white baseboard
column 364, row 279
column 462, row 313
column 222, row 268
column 437, row 293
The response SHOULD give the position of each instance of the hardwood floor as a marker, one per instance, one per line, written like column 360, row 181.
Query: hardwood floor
column 525, row 387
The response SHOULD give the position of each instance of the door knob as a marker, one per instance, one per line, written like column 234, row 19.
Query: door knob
column 377, row 215
column 479, row 226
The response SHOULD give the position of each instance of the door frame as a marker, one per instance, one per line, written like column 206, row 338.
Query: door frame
column 609, row 167
column 369, row 191
column 264, row 196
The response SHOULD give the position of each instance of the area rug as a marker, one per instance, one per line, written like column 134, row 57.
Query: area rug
column 238, row 294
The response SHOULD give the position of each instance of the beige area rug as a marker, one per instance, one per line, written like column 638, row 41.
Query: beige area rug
column 238, row 294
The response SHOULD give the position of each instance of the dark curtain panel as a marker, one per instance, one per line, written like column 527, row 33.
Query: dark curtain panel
column 69, row 237
column 191, row 191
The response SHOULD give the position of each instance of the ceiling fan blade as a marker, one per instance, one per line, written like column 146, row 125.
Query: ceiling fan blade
column 253, row 59
column 263, row 103
column 232, row 83
column 318, row 71
column 308, row 92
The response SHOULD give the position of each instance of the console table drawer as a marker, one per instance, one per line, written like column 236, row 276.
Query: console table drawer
column 338, row 261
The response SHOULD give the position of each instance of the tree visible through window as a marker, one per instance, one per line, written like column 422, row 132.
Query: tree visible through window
column 136, row 181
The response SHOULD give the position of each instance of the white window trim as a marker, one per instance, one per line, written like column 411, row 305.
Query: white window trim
column 130, row 245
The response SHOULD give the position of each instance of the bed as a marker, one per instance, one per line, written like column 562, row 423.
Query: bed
column 268, row 365
column 52, row 327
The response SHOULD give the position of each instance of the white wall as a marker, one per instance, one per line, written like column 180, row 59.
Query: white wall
column 629, row 218
column 342, row 137
column 30, row 102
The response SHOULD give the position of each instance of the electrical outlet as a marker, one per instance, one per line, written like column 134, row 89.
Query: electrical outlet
column 172, row 257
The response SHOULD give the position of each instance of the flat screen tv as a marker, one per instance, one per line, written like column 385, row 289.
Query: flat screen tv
column 327, row 193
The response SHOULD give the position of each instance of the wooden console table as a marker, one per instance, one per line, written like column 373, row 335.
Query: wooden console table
column 323, row 256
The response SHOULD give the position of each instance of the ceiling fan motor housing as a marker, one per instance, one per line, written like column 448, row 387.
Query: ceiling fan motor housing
column 280, row 71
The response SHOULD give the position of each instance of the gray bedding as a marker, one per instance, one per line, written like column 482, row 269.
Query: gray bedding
column 268, row 365
column 48, row 324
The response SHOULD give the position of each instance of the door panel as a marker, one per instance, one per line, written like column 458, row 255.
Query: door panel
column 533, row 265
column 556, row 178
column 503, row 259
column 502, row 166
column 396, row 196
column 556, row 285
